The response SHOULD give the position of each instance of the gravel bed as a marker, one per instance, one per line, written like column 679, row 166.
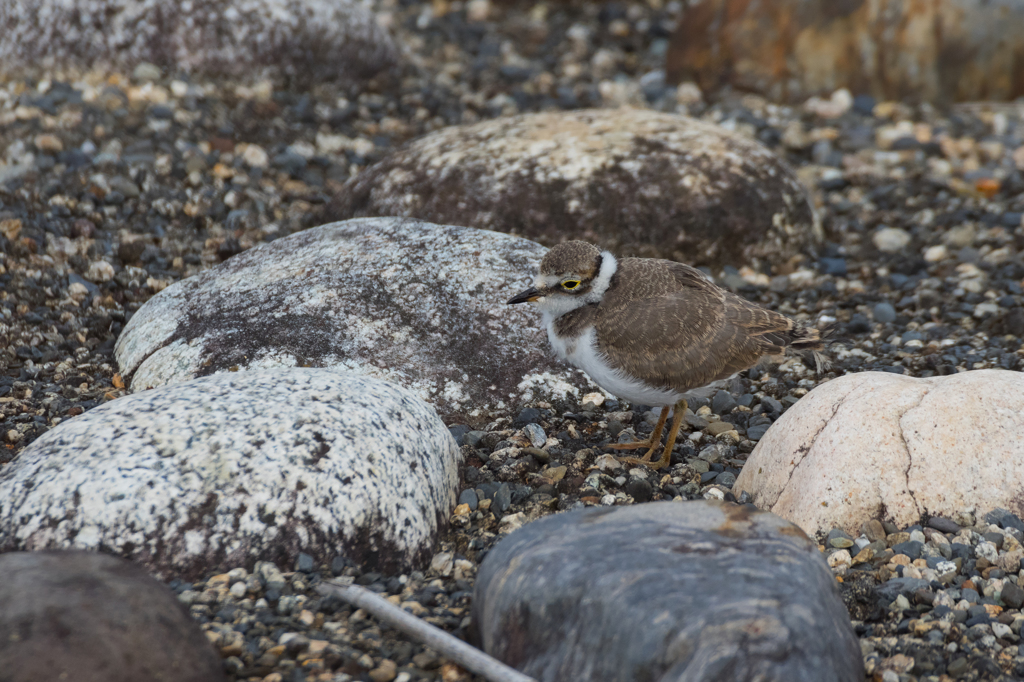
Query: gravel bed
column 112, row 188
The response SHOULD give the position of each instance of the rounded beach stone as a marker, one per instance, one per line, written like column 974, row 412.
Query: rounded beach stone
column 312, row 40
column 90, row 617
column 222, row 471
column 638, row 182
column 418, row 304
column 664, row 591
column 876, row 445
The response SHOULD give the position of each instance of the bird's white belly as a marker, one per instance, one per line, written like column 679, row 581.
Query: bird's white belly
column 583, row 353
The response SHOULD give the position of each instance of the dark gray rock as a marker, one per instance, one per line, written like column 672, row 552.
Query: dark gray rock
column 70, row 615
column 723, row 403
column 468, row 497
column 698, row 591
column 889, row 590
column 1012, row 595
column 940, row 523
column 503, row 499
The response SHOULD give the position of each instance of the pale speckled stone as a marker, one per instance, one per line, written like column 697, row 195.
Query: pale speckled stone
column 876, row 445
column 308, row 39
column 664, row 591
column 229, row 469
column 635, row 181
column 418, row 304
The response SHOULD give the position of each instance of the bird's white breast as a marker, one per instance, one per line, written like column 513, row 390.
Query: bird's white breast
column 582, row 351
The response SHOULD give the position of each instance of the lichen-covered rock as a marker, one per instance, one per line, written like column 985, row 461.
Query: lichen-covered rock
column 875, row 445
column 91, row 617
column 229, row 469
column 418, row 304
column 695, row 591
column 945, row 50
column 634, row 181
column 312, row 40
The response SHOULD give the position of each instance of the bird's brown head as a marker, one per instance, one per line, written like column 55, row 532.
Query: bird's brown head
column 568, row 270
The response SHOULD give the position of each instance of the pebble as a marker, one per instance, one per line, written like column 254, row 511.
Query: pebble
column 890, row 239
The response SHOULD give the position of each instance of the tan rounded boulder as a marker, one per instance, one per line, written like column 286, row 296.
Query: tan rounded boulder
column 943, row 50
column 637, row 182
column 883, row 446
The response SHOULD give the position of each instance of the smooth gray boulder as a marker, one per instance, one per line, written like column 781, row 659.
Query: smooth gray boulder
column 414, row 303
column 308, row 40
column 226, row 470
column 637, row 182
column 694, row 591
column 90, row 617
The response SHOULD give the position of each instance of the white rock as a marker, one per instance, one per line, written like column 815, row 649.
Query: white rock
column 875, row 444
column 100, row 271
column 934, row 254
column 309, row 40
column 255, row 156
column 418, row 304
column 890, row 239
column 228, row 469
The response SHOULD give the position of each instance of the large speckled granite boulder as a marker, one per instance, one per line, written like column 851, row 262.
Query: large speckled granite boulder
column 311, row 40
column 418, row 304
column 634, row 181
column 942, row 50
column 89, row 617
column 875, row 445
column 696, row 591
column 229, row 469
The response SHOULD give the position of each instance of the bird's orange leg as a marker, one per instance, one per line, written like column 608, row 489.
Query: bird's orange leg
column 651, row 442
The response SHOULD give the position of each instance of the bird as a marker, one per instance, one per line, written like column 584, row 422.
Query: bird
column 650, row 330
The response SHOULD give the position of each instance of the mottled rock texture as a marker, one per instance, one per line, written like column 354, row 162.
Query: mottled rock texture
column 876, row 445
column 309, row 40
column 637, row 182
column 418, row 304
column 225, row 470
column 90, row 617
column 939, row 51
column 694, row 591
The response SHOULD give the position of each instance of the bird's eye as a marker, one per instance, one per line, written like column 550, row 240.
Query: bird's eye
column 570, row 284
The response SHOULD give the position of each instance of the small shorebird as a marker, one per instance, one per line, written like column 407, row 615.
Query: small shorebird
column 650, row 330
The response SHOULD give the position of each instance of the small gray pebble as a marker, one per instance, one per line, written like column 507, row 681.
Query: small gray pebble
column 726, row 479
column 536, row 435
column 884, row 313
column 756, row 433
column 943, row 524
column 723, row 403
column 503, row 499
column 468, row 496
column 473, row 438
column 304, row 564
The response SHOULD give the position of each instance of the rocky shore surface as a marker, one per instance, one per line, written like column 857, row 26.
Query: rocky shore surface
column 115, row 186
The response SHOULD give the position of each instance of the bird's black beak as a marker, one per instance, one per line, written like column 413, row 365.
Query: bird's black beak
column 527, row 296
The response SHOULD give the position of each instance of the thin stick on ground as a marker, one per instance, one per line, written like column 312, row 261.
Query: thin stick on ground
column 468, row 657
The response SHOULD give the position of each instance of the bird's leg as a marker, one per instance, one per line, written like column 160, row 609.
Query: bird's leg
column 673, row 433
column 652, row 442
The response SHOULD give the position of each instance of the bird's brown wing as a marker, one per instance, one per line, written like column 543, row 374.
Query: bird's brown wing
column 682, row 331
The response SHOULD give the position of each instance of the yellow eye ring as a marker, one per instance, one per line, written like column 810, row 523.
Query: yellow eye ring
column 570, row 284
